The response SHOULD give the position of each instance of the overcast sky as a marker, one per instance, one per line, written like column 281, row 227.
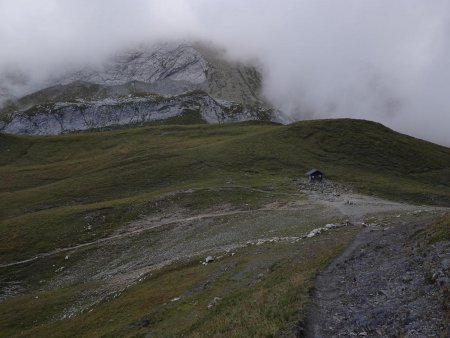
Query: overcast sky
column 384, row 60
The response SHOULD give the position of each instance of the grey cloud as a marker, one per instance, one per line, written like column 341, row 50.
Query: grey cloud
column 383, row 60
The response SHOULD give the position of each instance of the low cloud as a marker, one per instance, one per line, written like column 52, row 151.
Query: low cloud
column 382, row 60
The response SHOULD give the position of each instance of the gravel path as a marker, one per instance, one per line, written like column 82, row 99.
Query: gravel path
column 138, row 227
column 387, row 283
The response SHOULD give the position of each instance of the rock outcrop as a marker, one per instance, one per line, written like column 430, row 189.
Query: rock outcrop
column 63, row 117
column 150, row 83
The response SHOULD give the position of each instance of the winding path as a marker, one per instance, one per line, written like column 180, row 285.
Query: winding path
column 378, row 288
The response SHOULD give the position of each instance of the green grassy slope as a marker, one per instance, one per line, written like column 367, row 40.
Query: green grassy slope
column 52, row 188
column 49, row 185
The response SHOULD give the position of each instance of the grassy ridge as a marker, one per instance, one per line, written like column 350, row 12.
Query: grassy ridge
column 49, row 185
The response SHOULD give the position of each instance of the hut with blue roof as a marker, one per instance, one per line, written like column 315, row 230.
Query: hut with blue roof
column 315, row 175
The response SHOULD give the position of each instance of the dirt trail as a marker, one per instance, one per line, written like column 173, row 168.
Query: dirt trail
column 145, row 225
column 378, row 287
column 357, row 206
column 151, row 223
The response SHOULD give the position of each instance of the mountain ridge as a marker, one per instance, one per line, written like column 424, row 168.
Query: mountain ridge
column 124, row 90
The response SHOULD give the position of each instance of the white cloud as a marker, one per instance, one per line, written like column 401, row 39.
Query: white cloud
column 382, row 60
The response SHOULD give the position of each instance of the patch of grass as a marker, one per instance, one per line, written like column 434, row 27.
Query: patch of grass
column 439, row 230
column 186, row 117
column 23, row 313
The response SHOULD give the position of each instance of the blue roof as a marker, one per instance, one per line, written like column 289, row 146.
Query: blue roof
column 313, row 171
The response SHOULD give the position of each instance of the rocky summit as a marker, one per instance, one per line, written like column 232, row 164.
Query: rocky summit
column 145, row 84
column 179, row 63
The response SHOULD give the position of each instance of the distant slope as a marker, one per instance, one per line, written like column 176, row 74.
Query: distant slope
column 144, row 84
column 231, row 81
column 174, row 68
column 49, row 184
column 168, row 68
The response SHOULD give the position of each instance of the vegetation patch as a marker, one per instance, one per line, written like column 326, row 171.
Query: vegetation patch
column 439, row 230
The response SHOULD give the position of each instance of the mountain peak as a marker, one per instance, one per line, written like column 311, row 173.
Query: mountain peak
column 149, row 64
column 143, row 84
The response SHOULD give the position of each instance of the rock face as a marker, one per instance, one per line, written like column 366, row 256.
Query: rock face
column 63, row 117
column 171, row 68
column 150, row 83
column 147, row 64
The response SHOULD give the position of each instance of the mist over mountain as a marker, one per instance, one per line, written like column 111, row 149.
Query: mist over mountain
column 377, row 60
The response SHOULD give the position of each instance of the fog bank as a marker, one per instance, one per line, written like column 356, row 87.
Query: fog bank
column 387, row 61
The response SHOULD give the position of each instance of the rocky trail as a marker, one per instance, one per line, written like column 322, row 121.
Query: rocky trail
column 149, row 225
column 137, row 228
column 152, row 242
column 387, row 283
